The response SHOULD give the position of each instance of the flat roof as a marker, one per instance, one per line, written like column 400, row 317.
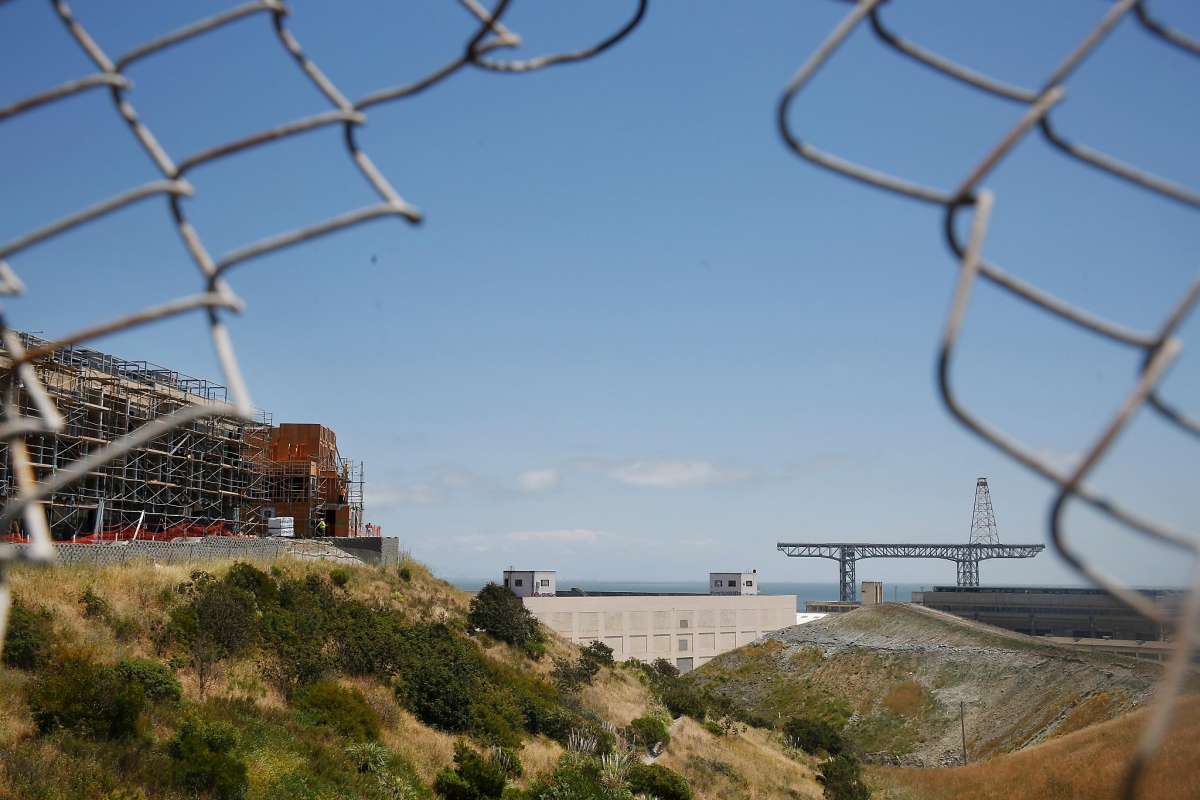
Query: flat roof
column 1076, row 590
column 576, row 592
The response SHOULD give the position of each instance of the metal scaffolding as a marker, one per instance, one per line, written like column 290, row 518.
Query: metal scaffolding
column 205, row 477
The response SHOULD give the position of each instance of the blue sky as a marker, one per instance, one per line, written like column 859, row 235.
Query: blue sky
column 635, row 337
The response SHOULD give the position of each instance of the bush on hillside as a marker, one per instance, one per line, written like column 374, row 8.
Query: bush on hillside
column 598, row 653
column 202, row 760
column 812, row 736
column 342, row 710
column 94, row 606
column 841, row 777
column 219, row 620
column 571, row 675
column 438, row 678
column 157, row 680
column 472, row 778
column 575, row 777
column 339, row 576
column 260, row 584
column 501, row 613
column 683, row 700
column 650, row 733
column 30, row 637
column 665, row 668
column 79, row 695
column 657, row 781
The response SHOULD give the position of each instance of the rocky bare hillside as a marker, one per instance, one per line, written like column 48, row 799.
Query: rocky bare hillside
column 894, row 676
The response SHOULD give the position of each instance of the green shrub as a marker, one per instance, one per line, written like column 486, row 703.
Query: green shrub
column 338, row 708
column 219, row 620
column 496, row 718
column 650, row 733
column 252, row 579
column 94, row 606
column 812, row 736
column 685, row 700
column 405, row 573
column 340, row 576
column 29, row 638
column 842, row 779
column 714, row 728
column 598, row 653
column 665, row 668
column 658, row 781
column 77, row 694
column 575, row 777
column 572, row 675
column 501, row 613
column 157, row 680
column 473, row 777
column 202, row 760
column 438, row 677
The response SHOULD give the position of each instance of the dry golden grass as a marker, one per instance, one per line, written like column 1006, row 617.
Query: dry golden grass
column 618, row 697
column 1086, row 764
column 756, row 766
column 15, row 722
column 538, row 756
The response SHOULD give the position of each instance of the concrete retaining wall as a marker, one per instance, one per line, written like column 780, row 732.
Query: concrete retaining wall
column 211, row 548
column 368, row 549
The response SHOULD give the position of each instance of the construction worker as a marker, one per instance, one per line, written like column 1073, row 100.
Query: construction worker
column 321, row 528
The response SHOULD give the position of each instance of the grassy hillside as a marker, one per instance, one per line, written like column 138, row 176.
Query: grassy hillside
column 318, row 682
column 891, row 678
column 1087, row 763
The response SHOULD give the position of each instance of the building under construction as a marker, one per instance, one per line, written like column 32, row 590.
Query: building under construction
column 213, row 476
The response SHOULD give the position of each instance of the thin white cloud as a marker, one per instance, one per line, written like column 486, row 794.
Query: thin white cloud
column 537, row 480
column 675, row 474
column 571, row 535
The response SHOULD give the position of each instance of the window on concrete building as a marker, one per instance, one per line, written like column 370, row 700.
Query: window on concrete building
column 749, row 583
column 716, row 583
column 683, row 623
column 545, row 581
column 519, row 582
column 683, row 645
column 506, row 583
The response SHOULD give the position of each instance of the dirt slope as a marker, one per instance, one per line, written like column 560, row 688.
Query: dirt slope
column 894, row 675
column 1085, row 764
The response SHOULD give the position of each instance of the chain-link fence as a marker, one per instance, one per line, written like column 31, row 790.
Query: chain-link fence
column 1159, row 347
column 488, row 36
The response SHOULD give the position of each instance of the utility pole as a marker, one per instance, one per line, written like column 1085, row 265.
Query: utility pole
column 962, row 721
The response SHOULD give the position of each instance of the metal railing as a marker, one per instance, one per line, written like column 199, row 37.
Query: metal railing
column 488, row 35
column 1158, row 348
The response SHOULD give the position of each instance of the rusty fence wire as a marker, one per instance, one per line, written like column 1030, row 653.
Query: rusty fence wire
column 1158, row 348
column 215, row 299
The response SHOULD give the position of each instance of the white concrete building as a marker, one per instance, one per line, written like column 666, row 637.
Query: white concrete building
column 733, row 582
column 686, row 629
column 531, row 583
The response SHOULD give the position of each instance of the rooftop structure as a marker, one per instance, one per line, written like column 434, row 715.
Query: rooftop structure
column 531, row 583
column 733, row 582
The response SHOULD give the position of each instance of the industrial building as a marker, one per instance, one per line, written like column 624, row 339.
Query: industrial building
column 1077, row 613
column 686, row 629
column 213, row 476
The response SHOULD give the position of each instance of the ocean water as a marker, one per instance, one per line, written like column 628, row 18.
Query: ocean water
column 901, row 592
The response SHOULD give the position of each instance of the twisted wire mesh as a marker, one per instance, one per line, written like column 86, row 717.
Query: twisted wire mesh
column 216, row 298
column 1158, row 348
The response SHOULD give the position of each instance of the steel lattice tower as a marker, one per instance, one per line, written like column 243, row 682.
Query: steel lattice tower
column 983, row 520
